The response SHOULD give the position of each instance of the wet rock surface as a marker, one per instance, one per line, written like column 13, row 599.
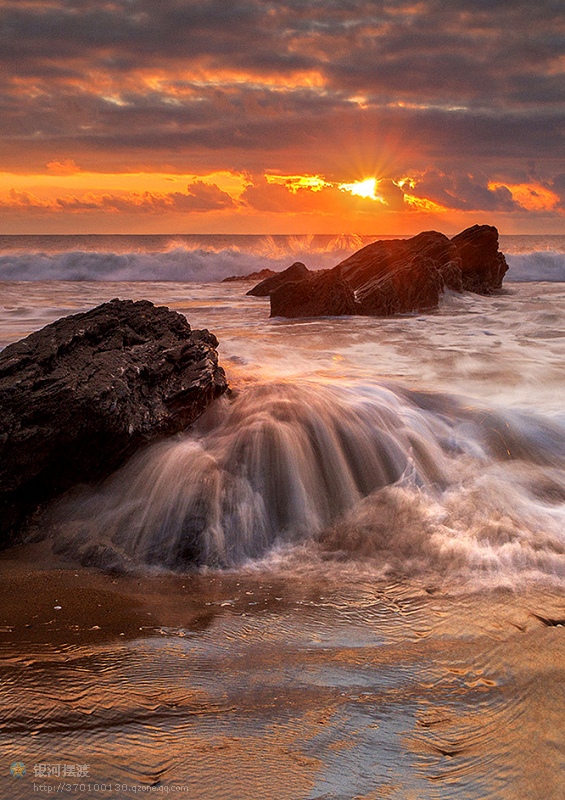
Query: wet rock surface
column 259, row 275
column 482, row 265
column 296, row 272
column 316, row 295
column 81, row 395
column 394, row 276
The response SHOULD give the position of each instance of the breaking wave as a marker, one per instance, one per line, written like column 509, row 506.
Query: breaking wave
column 211, row 264
column 539, row 266
column 413, row 483
column 177, row 261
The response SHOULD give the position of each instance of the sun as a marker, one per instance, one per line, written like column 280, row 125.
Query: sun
column 366, row 188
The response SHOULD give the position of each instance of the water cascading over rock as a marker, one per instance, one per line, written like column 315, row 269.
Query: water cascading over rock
column 81, row 395
column 275, row 465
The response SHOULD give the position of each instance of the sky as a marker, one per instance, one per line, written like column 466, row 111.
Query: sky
column 249, row 116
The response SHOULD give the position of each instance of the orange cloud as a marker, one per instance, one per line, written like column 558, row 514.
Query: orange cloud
column 531, row 196
column 199, row 197
column 295, row 182
column 66, row 167
column 424, row 204
column 231, row 201
column 20, row 201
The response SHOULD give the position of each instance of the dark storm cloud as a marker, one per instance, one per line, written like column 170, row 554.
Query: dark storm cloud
column 463, row 192
column 557, row 185
column 352, row 41
column 447, row 78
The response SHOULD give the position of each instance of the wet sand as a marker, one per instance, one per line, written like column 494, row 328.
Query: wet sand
column 258, row 684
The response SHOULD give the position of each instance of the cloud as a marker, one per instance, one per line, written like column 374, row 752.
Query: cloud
column 558, row 186
column 24, row 201
column 428, row 191
column 392, row 50
column 462, row 192
column 66, row 167
column 200, row 197
column 290, row 195
column 441, row 89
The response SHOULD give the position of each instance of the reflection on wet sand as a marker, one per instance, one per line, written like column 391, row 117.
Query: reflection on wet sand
column 254, row 684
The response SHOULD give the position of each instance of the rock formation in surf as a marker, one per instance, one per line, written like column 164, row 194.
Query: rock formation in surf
column 314, row 294
column 259, row 275
column 83, row 394
column 483, row 266
column 295, row 272
column 394, row 276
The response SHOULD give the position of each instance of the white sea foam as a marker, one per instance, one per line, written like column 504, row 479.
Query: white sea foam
column 184, row 262
column 539, row 266
column 361, row 468
column 415, row 484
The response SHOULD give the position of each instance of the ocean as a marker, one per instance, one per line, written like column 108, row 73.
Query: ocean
column 380, row 505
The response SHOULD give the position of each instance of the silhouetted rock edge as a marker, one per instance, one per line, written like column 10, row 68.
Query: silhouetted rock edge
column 391, row 276
column 81, row 395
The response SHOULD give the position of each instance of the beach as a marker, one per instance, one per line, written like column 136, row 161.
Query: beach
column 270, row 685
column 378, row 609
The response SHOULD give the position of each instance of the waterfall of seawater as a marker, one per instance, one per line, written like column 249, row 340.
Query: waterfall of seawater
column 412, row 480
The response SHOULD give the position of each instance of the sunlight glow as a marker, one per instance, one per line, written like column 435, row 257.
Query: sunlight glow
column 295, row 182
column 423, row 204
column 366, row 188
column 402, row 183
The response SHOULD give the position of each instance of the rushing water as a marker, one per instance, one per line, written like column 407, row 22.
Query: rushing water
column 378, row 513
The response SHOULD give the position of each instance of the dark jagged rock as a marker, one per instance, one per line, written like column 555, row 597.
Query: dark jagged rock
column 396, row 276
column 296, row 272
column 83, row 394
column 319, row 294
column 417, row 286
column 260, row 275
column 482, row 265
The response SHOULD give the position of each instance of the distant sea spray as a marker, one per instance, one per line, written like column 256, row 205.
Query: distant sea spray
column 543, row 265
column 207, row 259
column 202, row 259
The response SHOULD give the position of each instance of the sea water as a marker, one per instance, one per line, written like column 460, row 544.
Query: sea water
column 377, row 513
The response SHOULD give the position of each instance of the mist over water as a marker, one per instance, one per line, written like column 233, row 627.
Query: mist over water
column 410, row 484
column 213, row 258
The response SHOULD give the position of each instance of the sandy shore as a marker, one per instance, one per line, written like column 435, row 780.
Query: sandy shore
column 280, row 685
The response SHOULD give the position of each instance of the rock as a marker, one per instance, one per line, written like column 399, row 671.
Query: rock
column 417, row 286
column 260, row 275
column 482, row 265
column 395, row 276
column 83, row 394
column 297, row 271
column 319, row 294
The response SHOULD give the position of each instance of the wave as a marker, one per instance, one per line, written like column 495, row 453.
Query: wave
column 415, row 483
column 184, row 263
column 177, row 261
column 179, row 265
column 544, row 265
